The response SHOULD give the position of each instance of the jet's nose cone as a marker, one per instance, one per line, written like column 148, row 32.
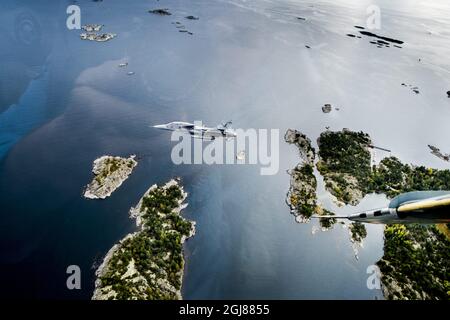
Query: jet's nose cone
column 160, row 126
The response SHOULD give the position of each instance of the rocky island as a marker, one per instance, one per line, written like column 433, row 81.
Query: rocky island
column 416, row 263
column 92, row 27
column 148, row 264
column 416, row 260
column 92, row 35
column 301, row 197
column 110, row 172
column 344, row 164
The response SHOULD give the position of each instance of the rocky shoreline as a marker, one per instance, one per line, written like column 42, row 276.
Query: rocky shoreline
column 149, row 263
column 415, row 260
column 302, row 197
column 344, row 164
column 92, row 35
column 110, row 172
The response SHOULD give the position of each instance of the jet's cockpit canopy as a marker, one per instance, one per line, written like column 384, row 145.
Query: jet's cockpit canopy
column 414, row 196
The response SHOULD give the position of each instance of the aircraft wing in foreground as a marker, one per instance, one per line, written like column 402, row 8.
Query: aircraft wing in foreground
column 425, row 207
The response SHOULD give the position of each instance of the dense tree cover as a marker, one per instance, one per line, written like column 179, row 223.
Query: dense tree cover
column 303, row 196
column 416, row 263
column 341, row 154
column 358, row 231
column 156, row 250
column 393, row 177
column 345, row 153
column 327, row 223
column 421, row 270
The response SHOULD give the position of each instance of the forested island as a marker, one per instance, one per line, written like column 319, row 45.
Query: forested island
column 149, row 264
column 344, row 163
column 416, row 261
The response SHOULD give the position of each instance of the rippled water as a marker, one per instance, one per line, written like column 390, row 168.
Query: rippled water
column 64, row 102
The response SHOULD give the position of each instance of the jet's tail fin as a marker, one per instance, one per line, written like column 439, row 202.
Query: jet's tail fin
column 227, row 124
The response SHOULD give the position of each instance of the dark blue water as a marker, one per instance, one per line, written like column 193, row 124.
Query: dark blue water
column 65, row 102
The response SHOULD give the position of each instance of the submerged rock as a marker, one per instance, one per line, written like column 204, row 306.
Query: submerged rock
column 413, row 89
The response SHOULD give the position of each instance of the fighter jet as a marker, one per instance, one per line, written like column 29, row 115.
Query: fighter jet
column 201, row 132
column 425, row 207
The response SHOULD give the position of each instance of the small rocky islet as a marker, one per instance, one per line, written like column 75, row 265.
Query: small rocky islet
column 92, row 35
column 178, row 25
column 327, row 108
column 109, row 174
column 413, row 88
column 379, row 41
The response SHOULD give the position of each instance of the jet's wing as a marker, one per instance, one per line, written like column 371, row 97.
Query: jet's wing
column 425, row 205
column 318, row 216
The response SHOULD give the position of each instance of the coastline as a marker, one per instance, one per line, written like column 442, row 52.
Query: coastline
column 137, row 213
column 110, row 173
column 102, row 268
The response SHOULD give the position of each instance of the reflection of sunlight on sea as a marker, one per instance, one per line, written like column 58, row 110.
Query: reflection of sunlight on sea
column 250, row 66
